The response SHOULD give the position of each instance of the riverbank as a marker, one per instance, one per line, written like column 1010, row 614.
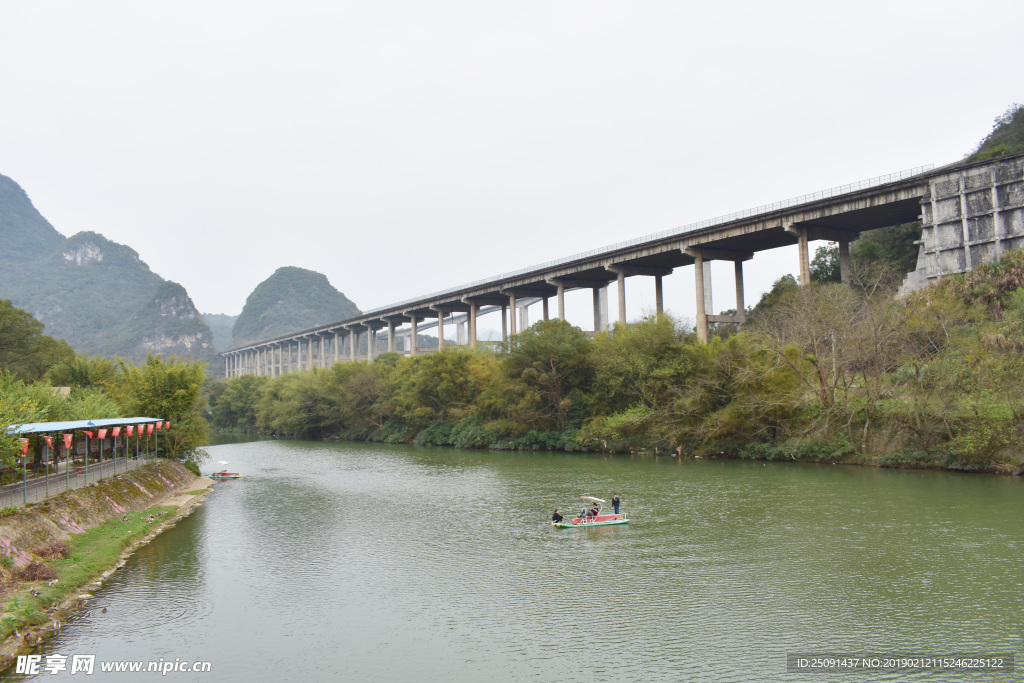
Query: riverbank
column 53, row 555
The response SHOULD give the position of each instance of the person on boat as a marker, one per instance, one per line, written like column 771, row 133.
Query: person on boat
column 594, row 511
column 616, row 502
column 583, row 513
column 557, row 517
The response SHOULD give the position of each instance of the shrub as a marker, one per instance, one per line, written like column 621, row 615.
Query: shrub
column 34, row 571
column 54, row 551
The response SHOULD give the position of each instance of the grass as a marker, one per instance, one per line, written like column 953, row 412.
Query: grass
column 93, row 552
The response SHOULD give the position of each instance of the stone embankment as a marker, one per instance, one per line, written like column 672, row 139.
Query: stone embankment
column 27, row 537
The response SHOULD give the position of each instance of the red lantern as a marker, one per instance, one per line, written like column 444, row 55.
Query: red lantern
column 68, row 438
column 130, row 429
column 116, row 431
column 159, row 425
column 24, row 446
column 149, row 428
column 49, row 441
column 103, row 433
column 167, row 425
column 87, row 433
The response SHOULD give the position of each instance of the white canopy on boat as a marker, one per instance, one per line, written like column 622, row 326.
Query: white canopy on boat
column 591, row 498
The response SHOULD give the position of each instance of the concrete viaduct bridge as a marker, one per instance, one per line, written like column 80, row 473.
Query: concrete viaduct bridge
column 970, row 214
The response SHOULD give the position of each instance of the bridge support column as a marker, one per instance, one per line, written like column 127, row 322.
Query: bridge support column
column 621, row 278
column 659, row 297
column 371, row 343
column 472, row 324
column 512, row 312
column 844, row 262
column 440, row 329
column 391, row 336
column 351, row 345
column 741, row 311
column 545, row 307
column 702, row 313
column 524, row 317
column 414, row 338
column 805, row 258
column 504, row 323
column 309, row 353
column 600, row 309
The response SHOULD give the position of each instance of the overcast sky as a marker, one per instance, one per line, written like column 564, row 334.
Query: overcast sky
column 406, row 147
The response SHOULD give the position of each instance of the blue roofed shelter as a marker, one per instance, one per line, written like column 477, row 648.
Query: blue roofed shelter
column 81, row 438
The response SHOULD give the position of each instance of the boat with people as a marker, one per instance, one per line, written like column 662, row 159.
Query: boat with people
column 589, row 517
column 224, row 474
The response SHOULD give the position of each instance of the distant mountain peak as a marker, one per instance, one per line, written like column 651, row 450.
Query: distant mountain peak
column 291, row 299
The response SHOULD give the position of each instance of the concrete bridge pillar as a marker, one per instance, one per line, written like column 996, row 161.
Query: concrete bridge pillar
column 472, row 324
column 545, row 308
column 391, row 336
column 512, row 311
column 805, row 254
column 309, row 352
column 524, row 317
column 371, row 343
column 600, row 309
column 440, row 327
column 659, row 297
column 504, row 323
column 621, row 278
column 844, row 261
column 561, row 300
column 741, row 311
column 414, row 338
column 351, row 345
column 702, row 313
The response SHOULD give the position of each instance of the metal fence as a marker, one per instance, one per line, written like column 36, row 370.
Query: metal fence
column 39, row 488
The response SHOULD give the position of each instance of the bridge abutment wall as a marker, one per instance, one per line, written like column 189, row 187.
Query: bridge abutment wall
column 969, row 217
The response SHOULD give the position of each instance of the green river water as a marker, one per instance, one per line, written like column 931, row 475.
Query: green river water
column 366, row 562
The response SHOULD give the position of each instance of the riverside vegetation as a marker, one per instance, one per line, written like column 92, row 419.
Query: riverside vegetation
column 827, row 372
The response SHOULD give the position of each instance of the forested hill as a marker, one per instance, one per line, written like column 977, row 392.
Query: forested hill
column 291, row 299
column 1007, row 136
column 97, row 295
column 221, row 324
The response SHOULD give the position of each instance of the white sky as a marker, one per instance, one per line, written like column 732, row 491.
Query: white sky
column 406, row 147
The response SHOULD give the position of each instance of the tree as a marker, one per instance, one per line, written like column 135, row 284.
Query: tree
column 826, row 267
column 549, row 360
column 895, row 245
column 24, row 350
column 83, row 372
column 441, row 386
column 236, row 405
column 170, row 390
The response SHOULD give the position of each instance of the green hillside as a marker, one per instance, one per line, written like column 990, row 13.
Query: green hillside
column 1007, row 136
column 290, row 300
column 24, row 234
column 97, row 295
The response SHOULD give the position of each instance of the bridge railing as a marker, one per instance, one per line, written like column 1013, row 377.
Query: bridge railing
column 707, row 223
column 39, row 487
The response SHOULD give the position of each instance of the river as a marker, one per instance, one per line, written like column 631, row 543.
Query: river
column 368, row 562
